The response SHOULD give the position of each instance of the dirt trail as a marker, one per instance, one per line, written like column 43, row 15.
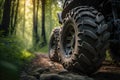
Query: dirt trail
column 41, row 68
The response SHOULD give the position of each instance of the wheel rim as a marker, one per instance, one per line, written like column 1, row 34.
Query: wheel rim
column 68, row 40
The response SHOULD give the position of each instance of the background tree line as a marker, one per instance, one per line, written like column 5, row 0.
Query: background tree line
column 21, row 17
column 25, row 27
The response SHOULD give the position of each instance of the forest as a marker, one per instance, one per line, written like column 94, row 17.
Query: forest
column 79, row 50
column 25, row 28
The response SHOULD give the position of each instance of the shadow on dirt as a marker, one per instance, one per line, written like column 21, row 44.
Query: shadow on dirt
column 106, row 76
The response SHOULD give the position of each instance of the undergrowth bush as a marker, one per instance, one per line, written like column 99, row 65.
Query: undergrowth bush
column 13, row 56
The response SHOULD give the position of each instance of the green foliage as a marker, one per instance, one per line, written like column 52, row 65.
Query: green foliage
column 8, row 71
column 43, row 49
column 13, row 56
column 14, row 50
column 108, row 57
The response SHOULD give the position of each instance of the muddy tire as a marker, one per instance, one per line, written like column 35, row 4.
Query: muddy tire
column 53, row 45
column 83, row 40
column 66, row 3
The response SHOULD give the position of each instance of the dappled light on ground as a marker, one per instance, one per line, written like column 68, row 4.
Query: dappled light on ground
column 43, row 61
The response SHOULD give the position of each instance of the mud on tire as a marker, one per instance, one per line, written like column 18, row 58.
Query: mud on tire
column 53, row 45
column 66, row 3
column 83, row 40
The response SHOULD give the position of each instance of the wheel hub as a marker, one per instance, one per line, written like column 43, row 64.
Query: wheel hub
column 69, row 41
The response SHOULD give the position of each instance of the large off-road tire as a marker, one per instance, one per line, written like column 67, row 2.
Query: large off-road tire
column 53, row 45
column 83, row 40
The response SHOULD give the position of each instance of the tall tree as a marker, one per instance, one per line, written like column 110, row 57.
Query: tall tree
column 16, row 14
column 35, row 21
column 12, row 14
column 6, row 17
column 1, row 2
column 1, row 10
column 24, row 18
column 43, row 23
column 50, row 15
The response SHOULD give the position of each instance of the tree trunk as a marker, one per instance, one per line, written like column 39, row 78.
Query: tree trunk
column 37, row 37
column 1, row 3
column 12, row 15
column 23, row 28
column 6, row 18
column 43, row 23
column 15, row 20
column 50, row 16
column 35, row 22
column 1, row 10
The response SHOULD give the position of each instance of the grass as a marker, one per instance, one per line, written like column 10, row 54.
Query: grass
column 44, row 49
